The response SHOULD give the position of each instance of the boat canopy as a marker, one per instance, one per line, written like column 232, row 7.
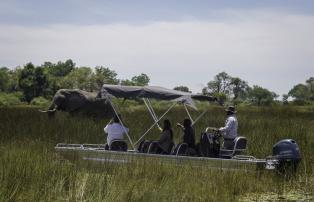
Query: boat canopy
column 154, row 92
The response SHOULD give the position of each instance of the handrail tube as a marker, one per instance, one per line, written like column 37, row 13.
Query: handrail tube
column 154, row 124
column 187, row 111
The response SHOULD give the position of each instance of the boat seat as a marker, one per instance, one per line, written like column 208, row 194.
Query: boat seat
column 239, row 147
column 155, row 149
column 169, row 150
column 143, row 146
column 181, row 150
column 118, row 145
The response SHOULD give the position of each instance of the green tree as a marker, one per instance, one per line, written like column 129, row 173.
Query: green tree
column 79, row 78
column 220, row 84
column 104, row 75
column 26, row 82
column 41, row 82
column 55, row 74
column 182, row 88
column 14, row 76
column 32, row 81
column 60, row 69
column 220, row 87
column 140, row 80
column 8, row 80
column 239, row 89
column 310, row 86
column 4, row 79
column 127, row 82
column 300, row 93
column 261, row 96
column 226, row 87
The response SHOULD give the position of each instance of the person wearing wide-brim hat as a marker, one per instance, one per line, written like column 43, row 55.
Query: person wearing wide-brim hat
column 230, row 130
column 231, row 110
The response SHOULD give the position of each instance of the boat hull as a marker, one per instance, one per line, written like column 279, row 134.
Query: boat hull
column 96, row 154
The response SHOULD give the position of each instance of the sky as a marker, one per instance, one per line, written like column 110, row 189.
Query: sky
column 267, row 43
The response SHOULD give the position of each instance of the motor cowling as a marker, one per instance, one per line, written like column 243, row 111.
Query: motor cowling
column 287, row 153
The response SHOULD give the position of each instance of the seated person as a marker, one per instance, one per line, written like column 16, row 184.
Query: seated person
column 165, row 141
column 115, row 130
column 188, row 135
column 229, row 131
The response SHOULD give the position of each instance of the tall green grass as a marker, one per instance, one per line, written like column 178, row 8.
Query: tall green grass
column 30, row 170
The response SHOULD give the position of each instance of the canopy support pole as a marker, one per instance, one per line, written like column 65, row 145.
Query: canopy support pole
column 187, row 111
column 139, row 140
column 200, row 116
column 150, row 105
column 117, row 114
column 151, row 111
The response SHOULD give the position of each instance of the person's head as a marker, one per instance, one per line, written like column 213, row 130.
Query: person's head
column 230, row 110
column 116, row 118
column 167, row 124
column 187, row 123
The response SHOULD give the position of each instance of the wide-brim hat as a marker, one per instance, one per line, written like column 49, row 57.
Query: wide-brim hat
column 231, row 109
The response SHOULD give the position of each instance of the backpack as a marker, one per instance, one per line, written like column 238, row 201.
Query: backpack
column 209, row 145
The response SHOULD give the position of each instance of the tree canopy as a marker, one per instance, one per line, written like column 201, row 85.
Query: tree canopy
column 303, row 93
column 261, row 96
column 226, row 87
column 29, row 81
column 4, row 79
column 32, row 81
column 140, row 80
column 44, row 80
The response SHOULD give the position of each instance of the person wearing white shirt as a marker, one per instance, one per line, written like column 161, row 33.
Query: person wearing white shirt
column 230, row 130
column 115, row 130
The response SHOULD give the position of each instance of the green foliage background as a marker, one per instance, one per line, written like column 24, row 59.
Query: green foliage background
column 44, row 81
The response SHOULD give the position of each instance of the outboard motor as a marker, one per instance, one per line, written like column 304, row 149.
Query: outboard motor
column 287, row 153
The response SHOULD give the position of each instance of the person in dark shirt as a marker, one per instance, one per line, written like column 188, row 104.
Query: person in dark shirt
column 188, row 133
column 163, row 145
column 166, row 138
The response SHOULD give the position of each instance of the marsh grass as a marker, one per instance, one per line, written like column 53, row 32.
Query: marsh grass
column 30, row 170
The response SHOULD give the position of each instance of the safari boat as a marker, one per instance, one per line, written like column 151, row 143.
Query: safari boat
column 286, row 153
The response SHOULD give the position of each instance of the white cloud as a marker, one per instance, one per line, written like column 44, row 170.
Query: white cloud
column 271, row 49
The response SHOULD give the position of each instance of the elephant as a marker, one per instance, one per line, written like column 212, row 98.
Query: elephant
column 77, row 101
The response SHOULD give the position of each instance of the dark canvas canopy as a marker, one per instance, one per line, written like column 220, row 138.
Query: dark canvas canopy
column 155, row 92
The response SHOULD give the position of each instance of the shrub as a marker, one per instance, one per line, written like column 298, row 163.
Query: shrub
column 7, row 99
column 40, row 101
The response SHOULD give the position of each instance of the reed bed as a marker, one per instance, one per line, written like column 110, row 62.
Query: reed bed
column 30, row 170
